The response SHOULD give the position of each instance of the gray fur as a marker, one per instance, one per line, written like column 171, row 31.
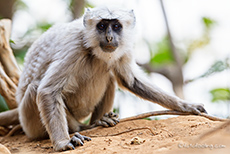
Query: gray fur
column 68, row 77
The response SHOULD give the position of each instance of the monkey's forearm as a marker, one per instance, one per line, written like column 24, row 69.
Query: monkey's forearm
column 154, row 94
column 146, row 92
column 53, row 116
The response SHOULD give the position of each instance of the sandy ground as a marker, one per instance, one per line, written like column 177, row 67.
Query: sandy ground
column 174, row 135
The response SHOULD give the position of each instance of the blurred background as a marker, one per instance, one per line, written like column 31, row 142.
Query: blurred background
column 182, row 45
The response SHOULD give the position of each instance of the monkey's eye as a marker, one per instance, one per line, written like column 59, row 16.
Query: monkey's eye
column 101, row 26
column 117, row 27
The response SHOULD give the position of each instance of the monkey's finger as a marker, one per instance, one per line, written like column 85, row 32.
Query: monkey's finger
column 109, row 121
column 106, row 115
column 79, row 136
column 101, row 123
column 115, row 120
column 69, row 146
column 113, row 115
column 201, row 109
column 87, row 138
column 82, row 137
column 76, row 141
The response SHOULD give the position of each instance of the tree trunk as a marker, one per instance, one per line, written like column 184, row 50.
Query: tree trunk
column 6, row 8
column 78, row 8
column 9, row 70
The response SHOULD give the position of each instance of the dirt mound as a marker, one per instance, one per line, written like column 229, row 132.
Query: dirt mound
column 174, row 135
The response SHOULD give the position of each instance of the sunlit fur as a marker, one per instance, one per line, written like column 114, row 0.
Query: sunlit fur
column 66, row 69
column 67, row 77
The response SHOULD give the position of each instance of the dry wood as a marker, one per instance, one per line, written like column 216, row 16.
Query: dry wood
column 9, row 70
column 168, row 112
column 149, row 114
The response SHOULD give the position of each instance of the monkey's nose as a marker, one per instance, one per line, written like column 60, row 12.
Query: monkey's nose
column 109, row 38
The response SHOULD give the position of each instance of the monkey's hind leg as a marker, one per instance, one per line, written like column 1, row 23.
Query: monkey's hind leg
column 29, row 115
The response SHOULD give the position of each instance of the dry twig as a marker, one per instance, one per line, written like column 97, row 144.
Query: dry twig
column 168, row 112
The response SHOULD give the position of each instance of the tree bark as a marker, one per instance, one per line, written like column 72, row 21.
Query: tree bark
column 9, row 70
column 78, row 8
column 6, row 8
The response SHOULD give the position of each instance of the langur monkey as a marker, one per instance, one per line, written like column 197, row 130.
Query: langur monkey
column 72, row 71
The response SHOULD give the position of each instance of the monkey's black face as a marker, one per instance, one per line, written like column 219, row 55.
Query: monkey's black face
column 109, row 33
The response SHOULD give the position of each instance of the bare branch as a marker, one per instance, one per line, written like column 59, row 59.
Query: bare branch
column 9, row 70
column 6, row 54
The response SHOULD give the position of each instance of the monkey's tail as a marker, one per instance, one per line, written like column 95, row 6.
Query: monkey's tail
column 9, row 117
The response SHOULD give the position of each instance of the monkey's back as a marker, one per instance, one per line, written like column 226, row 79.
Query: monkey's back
column 42, row 53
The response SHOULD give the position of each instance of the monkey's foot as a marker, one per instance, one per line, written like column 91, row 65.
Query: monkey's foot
column 109, row 119
column 194, row 108
column 76, row 140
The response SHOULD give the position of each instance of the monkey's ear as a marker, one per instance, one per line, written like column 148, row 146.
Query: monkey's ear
column 133, row 18
column 86, row 17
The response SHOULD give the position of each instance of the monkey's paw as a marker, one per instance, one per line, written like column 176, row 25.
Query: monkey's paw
column 76, row 140
column 109, row 119
column 194, row 108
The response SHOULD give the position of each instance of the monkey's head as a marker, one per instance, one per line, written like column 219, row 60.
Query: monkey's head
column 110, row 30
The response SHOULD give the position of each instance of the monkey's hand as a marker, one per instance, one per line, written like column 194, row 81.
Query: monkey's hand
column 76, row 140
column 193, row 108
column 109, row 119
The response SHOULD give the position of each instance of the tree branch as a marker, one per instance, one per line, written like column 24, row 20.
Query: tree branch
column 9, row 70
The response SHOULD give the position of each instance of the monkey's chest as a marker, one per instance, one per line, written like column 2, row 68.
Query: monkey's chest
column 87, row 96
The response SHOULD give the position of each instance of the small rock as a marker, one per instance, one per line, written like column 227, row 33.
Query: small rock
column 137, row 140
column 4, row 150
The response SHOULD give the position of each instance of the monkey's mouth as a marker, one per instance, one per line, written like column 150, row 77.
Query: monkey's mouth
column 108, row 48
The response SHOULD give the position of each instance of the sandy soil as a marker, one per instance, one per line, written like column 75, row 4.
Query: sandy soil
column 174, row 135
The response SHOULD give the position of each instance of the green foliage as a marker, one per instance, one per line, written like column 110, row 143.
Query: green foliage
column 40, row 27
column 11, row 41
column 218, row 66
column 162, row 55
column 208, row 22
column 44, row 26
column 147, row 118
column 116, row 110
column 89, row 5
column 20, row 54
column 3, row 105
column 86, row 122
column 20, row 5
column 204, row 39
column 220, row 94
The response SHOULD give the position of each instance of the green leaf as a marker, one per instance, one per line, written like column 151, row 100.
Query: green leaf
column 115, row 110
column 208, row 22
column 147, row 118
column 163, row 54
column 220, row 94
column 11, row 41
column 218, row 66
column 3, row 106
column 44, row 26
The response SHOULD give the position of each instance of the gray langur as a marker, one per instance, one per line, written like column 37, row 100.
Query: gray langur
column 71, row 72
